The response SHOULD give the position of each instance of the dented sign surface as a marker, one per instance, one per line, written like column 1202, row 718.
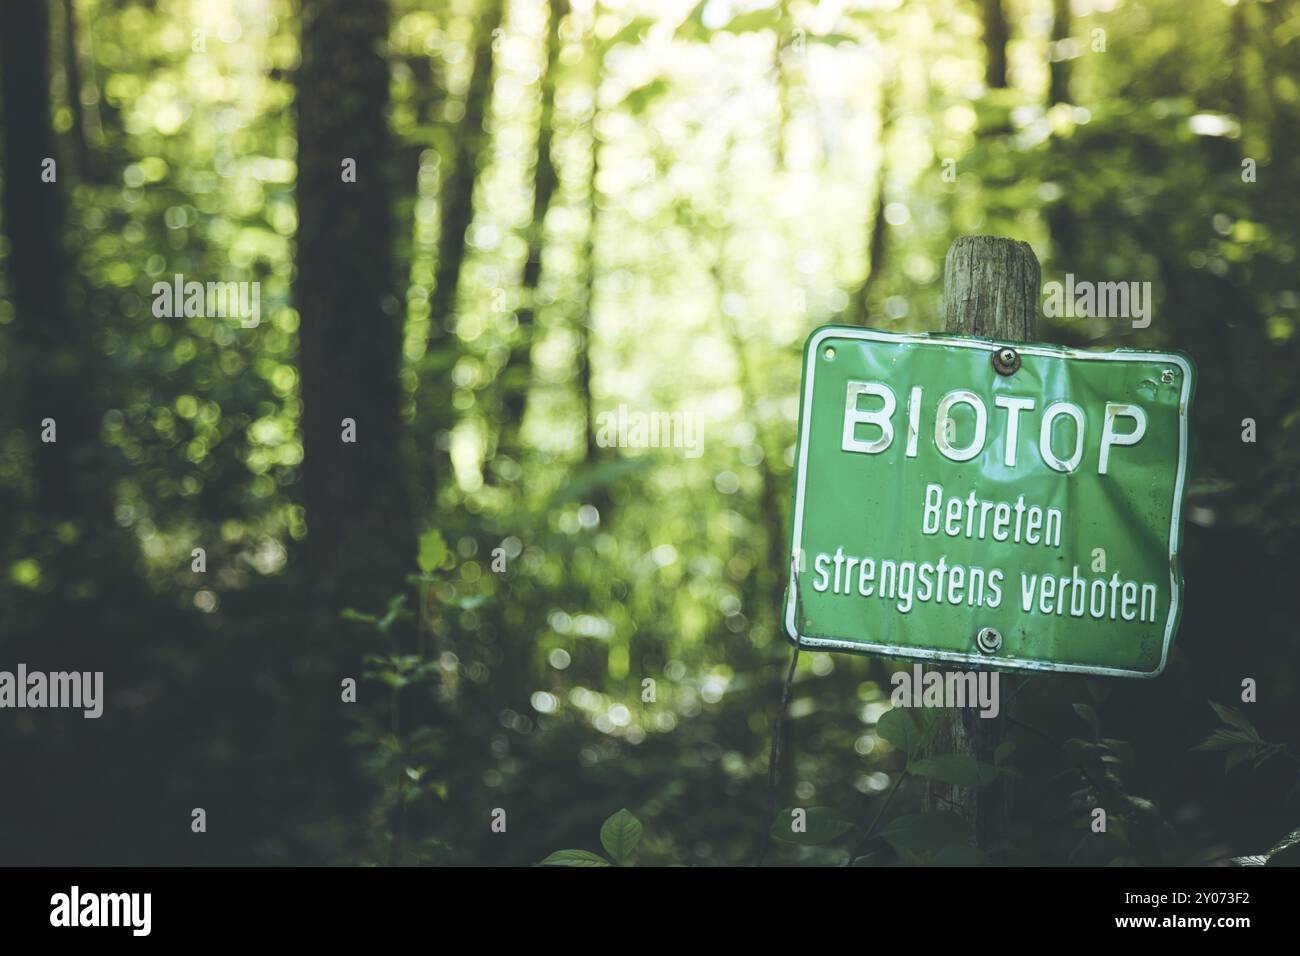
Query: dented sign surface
column 1027, row 521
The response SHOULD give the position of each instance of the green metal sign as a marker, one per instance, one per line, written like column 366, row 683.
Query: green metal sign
column 997, row 503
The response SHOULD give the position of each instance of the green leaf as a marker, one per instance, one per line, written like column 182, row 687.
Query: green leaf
column 1235, row 718
column 921, row 837
column 620, row 834
column 1228, row 740
column 574, row 858
column 396, row 611
column 959, row 769
column 1236, row 758
column 901, row 728
column 433, row 551
column 1122, row 749
column 1265, row 751
column 818, row 826
column 1078, row 751
column 1239, row 738
column 470, row 602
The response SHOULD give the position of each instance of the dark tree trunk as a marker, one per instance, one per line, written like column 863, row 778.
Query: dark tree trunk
column 33, row 223
column 72, row 70
column 517, row 374
column 350, row 317
column 56, row 361
column 1059, row 79
column 586, row 330
column 996, row 36
column 456, row 202
column 878, row 235
column 1062, row 224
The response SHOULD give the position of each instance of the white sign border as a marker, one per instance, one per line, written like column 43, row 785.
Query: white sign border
column 811, row 350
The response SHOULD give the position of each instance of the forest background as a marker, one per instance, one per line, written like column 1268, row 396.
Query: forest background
column 477, row 226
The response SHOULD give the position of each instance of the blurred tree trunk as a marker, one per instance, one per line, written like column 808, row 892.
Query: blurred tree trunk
column 359, row 528
column 787, row 44
column 1279, row 56
column 55, row 359
column 996, row 36
column 517, row 373
column 456, row 205
column 877, row 236
column 586, row 330
column 72, row 70
column 1062, row 224
column 1059, row 70
column 1238, row 88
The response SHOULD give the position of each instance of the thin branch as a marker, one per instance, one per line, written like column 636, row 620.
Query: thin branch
column 774, row 754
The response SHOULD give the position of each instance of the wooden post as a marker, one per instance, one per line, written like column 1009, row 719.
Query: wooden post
column 990, row 288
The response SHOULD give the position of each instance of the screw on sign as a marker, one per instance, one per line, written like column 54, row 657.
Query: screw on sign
column 1006, row 361
column 989, row 640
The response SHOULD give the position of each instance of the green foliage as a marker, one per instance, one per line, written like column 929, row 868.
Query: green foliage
column 574, row 858
column 1238, row 739
column 960, row 769
column 620, row 835
column 932, row 839
column 716, row 187
column 1242, row 744
column 433, row 551
column 1136, row 830
column 397, row 611
column 906, row 728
